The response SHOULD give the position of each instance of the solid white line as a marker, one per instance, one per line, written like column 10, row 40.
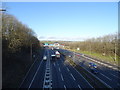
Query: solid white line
column 93, row 75
column 35, row 75
column 62, row 77
column 105, row 76
column 84, row 79
column 72, row 76
column 28, row 72
column 101, row 63
column 98, row 78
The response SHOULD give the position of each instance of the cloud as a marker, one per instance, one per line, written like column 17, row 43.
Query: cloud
column 42, row 37
column 63, row 38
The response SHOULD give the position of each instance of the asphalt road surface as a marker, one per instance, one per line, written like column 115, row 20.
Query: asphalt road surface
column 58, row 73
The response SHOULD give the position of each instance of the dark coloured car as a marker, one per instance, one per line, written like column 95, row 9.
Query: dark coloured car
column 94, row 70
column 92, row 65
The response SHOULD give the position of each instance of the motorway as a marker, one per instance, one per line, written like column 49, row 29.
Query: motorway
column 59, row 73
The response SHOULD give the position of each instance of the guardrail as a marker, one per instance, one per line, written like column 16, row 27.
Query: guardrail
column 47, row 84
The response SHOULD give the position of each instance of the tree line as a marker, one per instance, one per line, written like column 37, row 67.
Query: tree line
column 18, row 41
column 17, row 37
column 107, row 44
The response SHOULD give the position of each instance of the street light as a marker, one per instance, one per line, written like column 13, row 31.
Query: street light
column 115, row 48
column 31, row 51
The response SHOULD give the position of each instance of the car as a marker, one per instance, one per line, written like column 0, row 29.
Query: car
column 94, row 70
column 45, row 58
column 91, row 64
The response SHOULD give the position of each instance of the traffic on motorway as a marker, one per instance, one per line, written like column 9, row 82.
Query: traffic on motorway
column 59, row 68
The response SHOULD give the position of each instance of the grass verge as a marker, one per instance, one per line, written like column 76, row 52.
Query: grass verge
column 107, row 58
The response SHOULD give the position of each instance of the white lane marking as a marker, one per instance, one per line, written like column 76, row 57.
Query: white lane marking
column 35, row 74
column 118, row 84
column 59, row 69
column 65, row 87
column 28, row 72
column 98, row 78
column 105, row 76
column 94, row 76
column 62, row 77
column 102, row 63
column 84, row 78
column 68, row 69
column 54, row 64
column 72, row 76
column 79, row 87
column 114, row 75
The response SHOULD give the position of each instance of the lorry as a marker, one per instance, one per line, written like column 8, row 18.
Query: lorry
column 57, row 54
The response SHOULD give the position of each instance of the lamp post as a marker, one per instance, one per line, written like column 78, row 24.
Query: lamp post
column 31, row 51
column 73, row 56
column 115, row 48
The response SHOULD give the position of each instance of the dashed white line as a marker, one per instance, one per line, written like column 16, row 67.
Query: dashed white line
column 101, row 63
column 65, row 87
column 62, row 77
column 54, row 64
column 59, row 69
column 115, row 76
column 105, row 76
column 79, row 87
column 84, row 79
column 98, row 78
column 118, row 84
column 68, row 69
column 72, row 76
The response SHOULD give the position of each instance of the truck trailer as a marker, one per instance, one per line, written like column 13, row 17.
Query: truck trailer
column 57, row 54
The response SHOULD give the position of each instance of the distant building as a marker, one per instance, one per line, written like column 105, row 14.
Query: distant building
column 56, row 44
column 46, row 44
column 51, row 44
